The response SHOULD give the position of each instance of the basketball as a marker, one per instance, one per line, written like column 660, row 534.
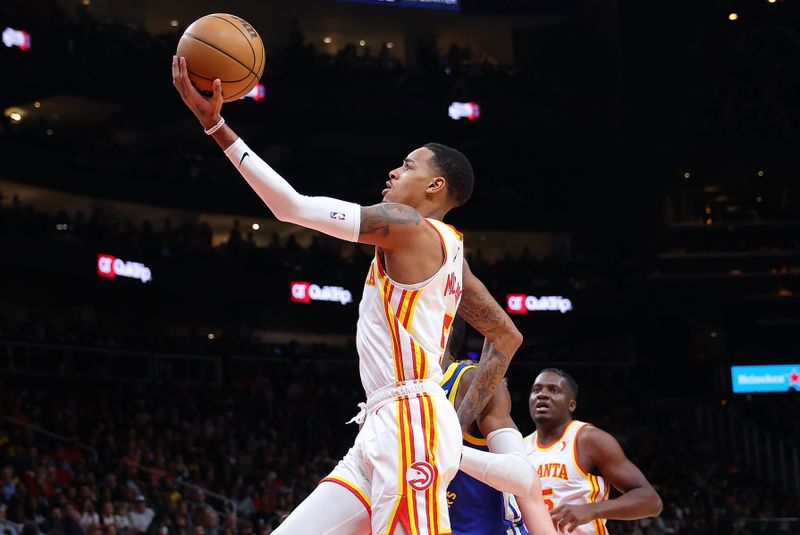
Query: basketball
column 223, row 46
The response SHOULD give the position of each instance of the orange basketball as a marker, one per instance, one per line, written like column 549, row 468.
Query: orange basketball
column 226, row 47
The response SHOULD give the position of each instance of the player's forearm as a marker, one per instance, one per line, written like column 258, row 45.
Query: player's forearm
column 535, row 514
column 334, row 217
column 504, row 466
column 495, row 357
column 640, row 502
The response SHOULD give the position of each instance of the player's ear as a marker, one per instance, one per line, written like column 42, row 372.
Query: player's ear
column 436, row 184
column 572, row 406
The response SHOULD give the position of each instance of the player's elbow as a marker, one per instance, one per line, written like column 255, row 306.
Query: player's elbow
column 287, row 213
column 658, row 505
column 515, row 338
column 655, row 503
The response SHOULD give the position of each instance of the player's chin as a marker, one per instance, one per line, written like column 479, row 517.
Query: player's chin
column 539, row 418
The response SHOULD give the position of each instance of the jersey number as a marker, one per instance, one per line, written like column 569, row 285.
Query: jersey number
column 447, row 322
column 546, row 493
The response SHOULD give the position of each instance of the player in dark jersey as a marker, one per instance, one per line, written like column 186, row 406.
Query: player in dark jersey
column 477, row 508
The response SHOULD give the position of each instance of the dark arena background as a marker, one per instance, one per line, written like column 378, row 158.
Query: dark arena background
column 637, row 211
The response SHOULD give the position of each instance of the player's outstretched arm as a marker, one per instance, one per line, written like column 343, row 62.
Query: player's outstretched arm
column 638, row 500
column 506, row 467
column 479, row 309
column 384, row 224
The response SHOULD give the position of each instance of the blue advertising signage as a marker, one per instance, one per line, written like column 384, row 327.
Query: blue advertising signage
column 768, row 378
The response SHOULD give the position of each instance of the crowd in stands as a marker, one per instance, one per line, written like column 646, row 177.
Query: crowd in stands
column 152, row 460
column 231, row 460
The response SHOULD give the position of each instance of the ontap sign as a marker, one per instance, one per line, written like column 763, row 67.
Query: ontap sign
column 523, row 303
column 305, row 292
column 464, row 110
column 18, row 38
column 765, row 378
column 110, row 267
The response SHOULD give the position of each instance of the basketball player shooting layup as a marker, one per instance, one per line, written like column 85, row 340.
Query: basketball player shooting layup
column 409, row 446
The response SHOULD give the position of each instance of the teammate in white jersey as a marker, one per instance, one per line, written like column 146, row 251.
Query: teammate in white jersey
column 577, row 463
column 409, row 447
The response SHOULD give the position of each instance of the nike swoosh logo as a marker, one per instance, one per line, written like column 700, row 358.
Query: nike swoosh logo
column 245, row 155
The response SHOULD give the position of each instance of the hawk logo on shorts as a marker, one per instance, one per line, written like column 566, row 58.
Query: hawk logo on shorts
column 420, row 475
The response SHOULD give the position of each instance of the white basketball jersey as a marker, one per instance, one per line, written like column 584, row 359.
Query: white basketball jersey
column 402, row 329
column 564, row 481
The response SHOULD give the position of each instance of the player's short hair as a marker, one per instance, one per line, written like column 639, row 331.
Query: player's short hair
column 456, row 169
column 571, row 382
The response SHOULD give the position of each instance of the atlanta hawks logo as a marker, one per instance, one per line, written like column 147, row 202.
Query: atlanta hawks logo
column 420, row 475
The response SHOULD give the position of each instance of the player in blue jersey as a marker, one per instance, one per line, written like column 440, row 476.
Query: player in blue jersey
column 476, row 508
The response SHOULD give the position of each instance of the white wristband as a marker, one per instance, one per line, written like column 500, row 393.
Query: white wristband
column 216, row 127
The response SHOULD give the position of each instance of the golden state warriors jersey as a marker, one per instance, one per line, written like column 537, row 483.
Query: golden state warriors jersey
column 564, row 481
column 475, row 507
column 402, row 329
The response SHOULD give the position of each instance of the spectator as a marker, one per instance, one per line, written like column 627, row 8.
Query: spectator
column 89, row 516
column 107, row 515
column 141, row 516
column 122, row 519
column 7, row 527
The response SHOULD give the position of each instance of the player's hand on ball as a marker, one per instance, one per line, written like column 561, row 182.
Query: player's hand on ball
column 568, row 517
column 207, row 110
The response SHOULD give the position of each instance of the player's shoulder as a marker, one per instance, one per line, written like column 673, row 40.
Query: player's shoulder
column 594, row 440
column 446, row 230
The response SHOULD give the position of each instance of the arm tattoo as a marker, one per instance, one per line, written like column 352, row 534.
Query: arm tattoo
column 480, row 310
column 491, row 369
column 377, row 219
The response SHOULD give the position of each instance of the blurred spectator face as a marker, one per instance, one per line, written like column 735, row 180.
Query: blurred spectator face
column 551, row 399
column 72, row 511
column 55, row 514
column 108, row 509
column 198, row 530
column 94, row 530
column 110, row 529
column 140, row 506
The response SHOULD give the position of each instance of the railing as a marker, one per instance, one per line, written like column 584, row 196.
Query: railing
column 61, row 438
column 108, row 363
column 228, row 505
column 112, row 364
column 775, row 459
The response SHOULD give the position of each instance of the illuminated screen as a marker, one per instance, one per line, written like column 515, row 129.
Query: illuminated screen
column 451, row 5
column 768, row 378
